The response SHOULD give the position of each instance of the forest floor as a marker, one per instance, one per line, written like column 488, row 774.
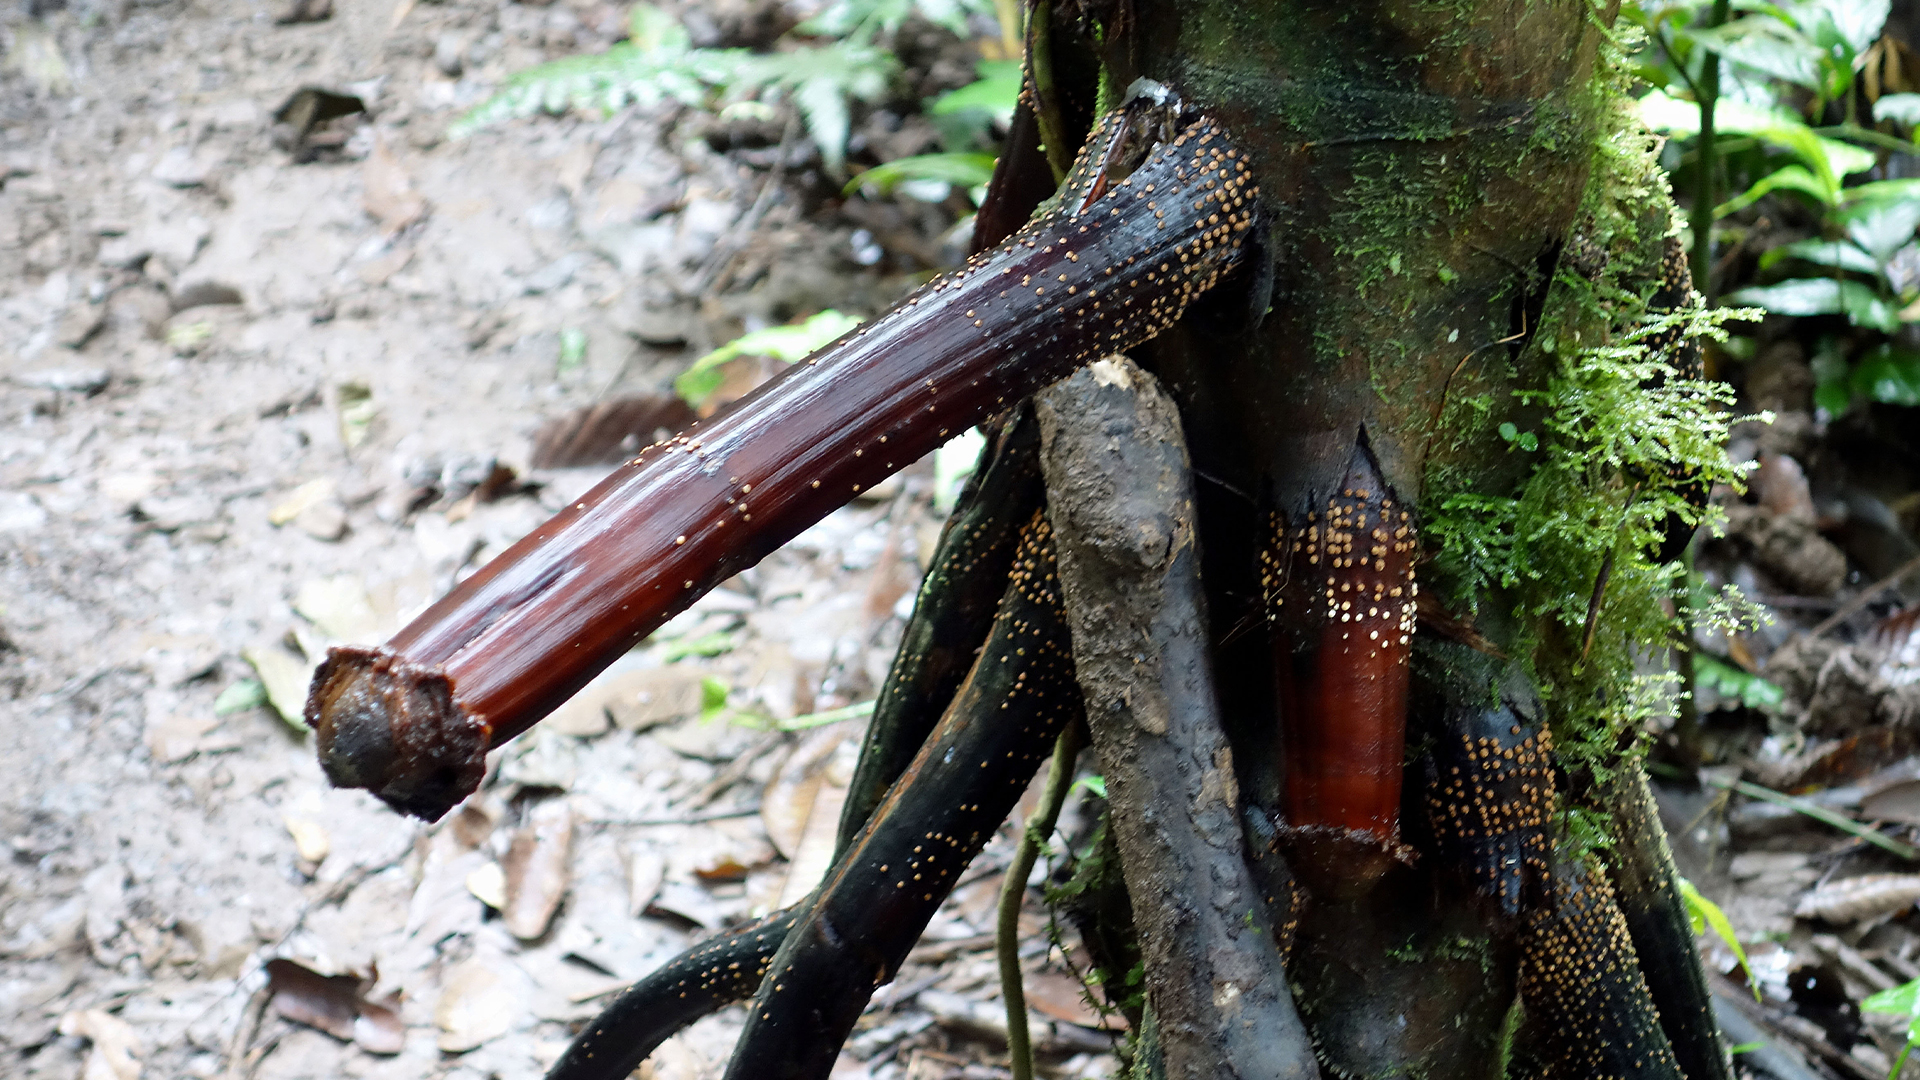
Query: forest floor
column 256, row 404
column 267, row 388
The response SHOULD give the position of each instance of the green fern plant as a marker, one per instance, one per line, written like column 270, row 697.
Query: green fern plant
column 658, row 63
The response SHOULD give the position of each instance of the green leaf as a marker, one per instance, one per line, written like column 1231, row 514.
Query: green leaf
column 241, row 696
column 1785, row 178
column 1832, row 389
column 1881, row 226
column 1827, row 160
column 961, row 170
column 1835, row 253
column 785, row 343
column 1823, row 296
column 573, row 351
column 1901, row 108
column 1730, row 682
column 713, row 644
column 1094, row 783
column 825, row 717
column 1705, row 913
column 1902, row 1000
column 997, row 92
column 713, row 697
column 1888, row 375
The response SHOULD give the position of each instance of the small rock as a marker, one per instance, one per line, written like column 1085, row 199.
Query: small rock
column 20, row 512
column 480, row 1003
column 178, row 168
column 325, row 520
column 79, row 323
column 305, row 11
column 124, row 252
column 449, row 54
column 205, row 294
column 88, row 381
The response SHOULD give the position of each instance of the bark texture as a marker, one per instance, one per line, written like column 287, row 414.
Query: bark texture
column 1121, row 500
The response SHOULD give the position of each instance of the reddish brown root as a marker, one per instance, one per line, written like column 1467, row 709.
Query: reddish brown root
column 1340, row 605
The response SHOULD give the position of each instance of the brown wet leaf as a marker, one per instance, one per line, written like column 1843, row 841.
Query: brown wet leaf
column 114, row 1041
column 537, row 868
column 304, row 996
column 609, row 431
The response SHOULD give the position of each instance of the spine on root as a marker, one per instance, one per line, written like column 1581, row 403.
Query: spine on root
column 412, row 720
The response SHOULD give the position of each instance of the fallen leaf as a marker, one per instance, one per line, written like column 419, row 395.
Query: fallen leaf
column 788, row 801
column 340, row 607
column 641, row 700
column 1869, row 896
column 299, row 499
column 478, row 1004
column 389, row 196
column 112, row 1056
column 537, row 869
column 488, row 884
column 304, row 996
column 1899, row 801
column 241, row 696
column 309, row 838
column 177, row 738
column 813, row 855
column 644, row 876
column 722, row 872
column 472, row 823
column 378, row 1029
column 286, row 678
column 1061, row 996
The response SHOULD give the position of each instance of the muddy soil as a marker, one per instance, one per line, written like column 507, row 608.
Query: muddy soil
column 266, row 387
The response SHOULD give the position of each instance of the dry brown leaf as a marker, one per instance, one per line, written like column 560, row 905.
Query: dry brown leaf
column 537, row 868
column 722, row 872
column 388, row 194
column 114, row 1041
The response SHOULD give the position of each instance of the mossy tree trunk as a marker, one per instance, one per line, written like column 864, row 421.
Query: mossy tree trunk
column 1461, row 220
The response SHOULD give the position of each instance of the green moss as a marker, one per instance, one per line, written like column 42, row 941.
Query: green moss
column 1621, row 435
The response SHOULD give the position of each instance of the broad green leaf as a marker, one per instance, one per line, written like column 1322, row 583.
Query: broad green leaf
column 1832, row 390
column 997, row 91
column 1881, row 226
column 784, row 343
column 1834, row 253
column 960, row 170
column 1823, row 296
column 1903, row 108
column 1828, row 159
column 1888, row 375
column 1705, row 913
